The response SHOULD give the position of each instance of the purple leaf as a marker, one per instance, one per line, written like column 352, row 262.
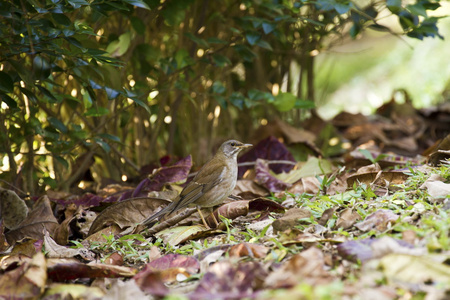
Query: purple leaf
column 264, row 178
column 268, row 149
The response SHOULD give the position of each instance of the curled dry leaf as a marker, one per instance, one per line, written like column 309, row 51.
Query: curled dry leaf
column 248, row 249
column 177, row 235
column 235, row 209
column 127, row 213
column 151, row 282
column 225, row 280
column 383, row 178
column 379, row 220
column 267, row 180
column 307, row 266
column 13, row 209
column 366, row 249
column 165, row 269
column 53, row 250
column 291, row 219
column 39, row 220
column 27, row 281
column 60, row 270
column 120, row 289
column 347, row 218
column 166, row 174
column 436, row 188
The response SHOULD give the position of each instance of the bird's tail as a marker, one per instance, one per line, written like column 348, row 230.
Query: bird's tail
column 154, row 218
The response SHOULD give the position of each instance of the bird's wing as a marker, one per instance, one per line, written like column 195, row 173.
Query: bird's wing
column 204, row 181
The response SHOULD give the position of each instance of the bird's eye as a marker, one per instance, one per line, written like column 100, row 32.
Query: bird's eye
column 233, row 144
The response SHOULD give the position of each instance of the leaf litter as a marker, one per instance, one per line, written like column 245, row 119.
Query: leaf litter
column 371, row 225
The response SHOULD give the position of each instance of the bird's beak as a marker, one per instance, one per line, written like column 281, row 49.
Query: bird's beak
column 245, row 146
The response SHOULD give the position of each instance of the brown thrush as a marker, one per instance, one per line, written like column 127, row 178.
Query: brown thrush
column 211, row 186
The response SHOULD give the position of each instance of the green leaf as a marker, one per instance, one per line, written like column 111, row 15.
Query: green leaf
column 264, row 44
column 111, row 93
column 47, row 93
column 395, row 6
column 120, row 46
column 137, row 3
column 197, row 40
column 221, row 60
column 237, row 99
column 62, row 161
column 96, row 112
column 284, row 101
column 253, row 37
column 109, row 137
column 214, row 40
column 61, row 19
column 417, row 9
column 8, row 100
column 77, row 3
column 103, row 144
column 138, row 25
column 57, row 124
column 304, row 104
column 6, row 83
column 136, row 100
column 218, row 87
column 268, row 27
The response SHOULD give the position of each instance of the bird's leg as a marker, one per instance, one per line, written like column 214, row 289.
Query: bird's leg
column 203, row 219
column 214, row 219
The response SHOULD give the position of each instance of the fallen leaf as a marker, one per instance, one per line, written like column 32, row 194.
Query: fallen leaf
column 53, row 250
column 177, row 235
column 437, row 189
column 72, row 291
column 120, row 289
column 248, row 249
column 291, row 218
column 27, row 281
column 67, row 269
column 379, row 220
column 39, row 220
column 269, row 149
column 414, row 269
column 307, row 266
column 347, row 218
column 13, row 209
column 269, row 181
column 225, row 280
column 127, row 213
column 166, row 174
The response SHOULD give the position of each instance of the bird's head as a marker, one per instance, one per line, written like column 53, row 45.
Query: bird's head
column 231, row 148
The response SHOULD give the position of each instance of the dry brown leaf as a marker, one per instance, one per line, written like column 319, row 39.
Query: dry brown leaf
column 13, row 209
column 379, row 220
column 27, row 281
column 307, row 266
column 127, row 213
column 248, row 249
column 291, row 218
column 246, row 185
column 53, row 250
column 347, row 218
column 39, row 220
column 60, row 269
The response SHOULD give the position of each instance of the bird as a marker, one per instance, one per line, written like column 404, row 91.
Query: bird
column 214, row 182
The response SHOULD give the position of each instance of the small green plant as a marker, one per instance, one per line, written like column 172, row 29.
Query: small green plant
column 132, row 247
column 368, row 155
